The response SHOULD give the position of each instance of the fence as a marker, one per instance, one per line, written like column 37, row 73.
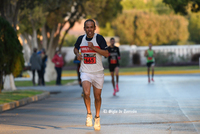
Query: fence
column 179, row 52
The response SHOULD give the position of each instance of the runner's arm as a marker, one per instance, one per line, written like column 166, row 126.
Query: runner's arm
column 76, row 52
column 145, row 54
column 100, row 51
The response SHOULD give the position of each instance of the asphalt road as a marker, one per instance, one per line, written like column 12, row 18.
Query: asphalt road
column 169, row 105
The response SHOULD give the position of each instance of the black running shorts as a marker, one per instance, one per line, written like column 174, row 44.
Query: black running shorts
column 112, row 67
column 149, row 64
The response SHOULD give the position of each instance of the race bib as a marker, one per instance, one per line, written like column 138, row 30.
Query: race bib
column 90, row 58
column 113, row 61
column 149, row 58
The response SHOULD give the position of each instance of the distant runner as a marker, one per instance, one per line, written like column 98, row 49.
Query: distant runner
column 113, row 60
column 149, row 54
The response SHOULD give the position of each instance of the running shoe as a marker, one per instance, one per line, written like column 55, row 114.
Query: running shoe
column 88, row 122
column 114, row 93
column 149, row 80
column 152, row 79
column 97, row 125
column 117, row 88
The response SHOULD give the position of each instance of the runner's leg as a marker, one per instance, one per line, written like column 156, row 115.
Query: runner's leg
column 117, row 78
column 152, row 67
column 117, row 74
column 113, row 79
column 86, row 88
column 97, row 96
column 148, row 70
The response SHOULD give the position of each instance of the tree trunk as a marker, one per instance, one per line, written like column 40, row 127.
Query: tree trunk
column 50, row 73
column 9, row 84
column 35, row 44
column 44, row 40
column 26, row 49
column 1, row 80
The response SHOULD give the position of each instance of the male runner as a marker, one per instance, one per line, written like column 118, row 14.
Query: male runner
column 93, row 46
column 113, row 60
column 149, row 54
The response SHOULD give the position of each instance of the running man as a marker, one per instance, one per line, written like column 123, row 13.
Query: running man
column 149, row 54
column 93, row 46
column 113, row 60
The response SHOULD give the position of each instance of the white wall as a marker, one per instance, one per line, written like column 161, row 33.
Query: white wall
column 184, row 50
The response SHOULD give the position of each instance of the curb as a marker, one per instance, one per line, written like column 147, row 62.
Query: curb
column 15, row 104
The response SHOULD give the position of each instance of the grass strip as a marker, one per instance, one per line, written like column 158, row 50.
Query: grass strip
column 29, row 83
column 10, row 96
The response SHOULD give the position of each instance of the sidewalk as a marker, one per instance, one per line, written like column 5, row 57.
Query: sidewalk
column 144, row 73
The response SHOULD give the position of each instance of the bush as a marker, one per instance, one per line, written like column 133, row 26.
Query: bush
column 125, row 59
column 19, row 64
column 141, row 28
column 164, row 58
column 70, row 40
column 195, row 57
column 136, row 59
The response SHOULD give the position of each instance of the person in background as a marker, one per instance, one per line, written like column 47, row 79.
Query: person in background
column 149, row 54
column 58, row 61
column 44, row 61
column 113, row 60
column 36, row 65
column 76, row 61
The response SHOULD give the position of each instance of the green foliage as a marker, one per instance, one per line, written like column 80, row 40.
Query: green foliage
column 133, row 4
column 107, row 30
column 182, row 6
column 162, row 8
column 142, row 28
column 125, row 59
column 102, row 10
column 7, row 97
column 19, row 64
column 164, row 58
column 29, row 18
column 194, row 27
column 70, row 40
column 10, row 49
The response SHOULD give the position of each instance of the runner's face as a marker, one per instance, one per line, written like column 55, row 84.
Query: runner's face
column 89, row 29
column 112, row 42
column 150, row 46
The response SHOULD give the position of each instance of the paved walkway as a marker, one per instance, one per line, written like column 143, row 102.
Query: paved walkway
column 169, row 105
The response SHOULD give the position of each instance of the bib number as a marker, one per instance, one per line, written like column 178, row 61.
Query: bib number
column 90, row 58
column 113, row 61
column 149, row 58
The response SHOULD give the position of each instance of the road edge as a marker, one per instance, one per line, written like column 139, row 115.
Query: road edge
column 22, row 102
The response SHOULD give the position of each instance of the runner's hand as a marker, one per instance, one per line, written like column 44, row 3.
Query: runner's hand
column 90, row 45
column 79, row 56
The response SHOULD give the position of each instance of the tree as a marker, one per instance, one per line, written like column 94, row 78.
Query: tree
column 10, row 50
column 142, row 28
column 182, row 6
column 194, row 27
column 133, row 4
